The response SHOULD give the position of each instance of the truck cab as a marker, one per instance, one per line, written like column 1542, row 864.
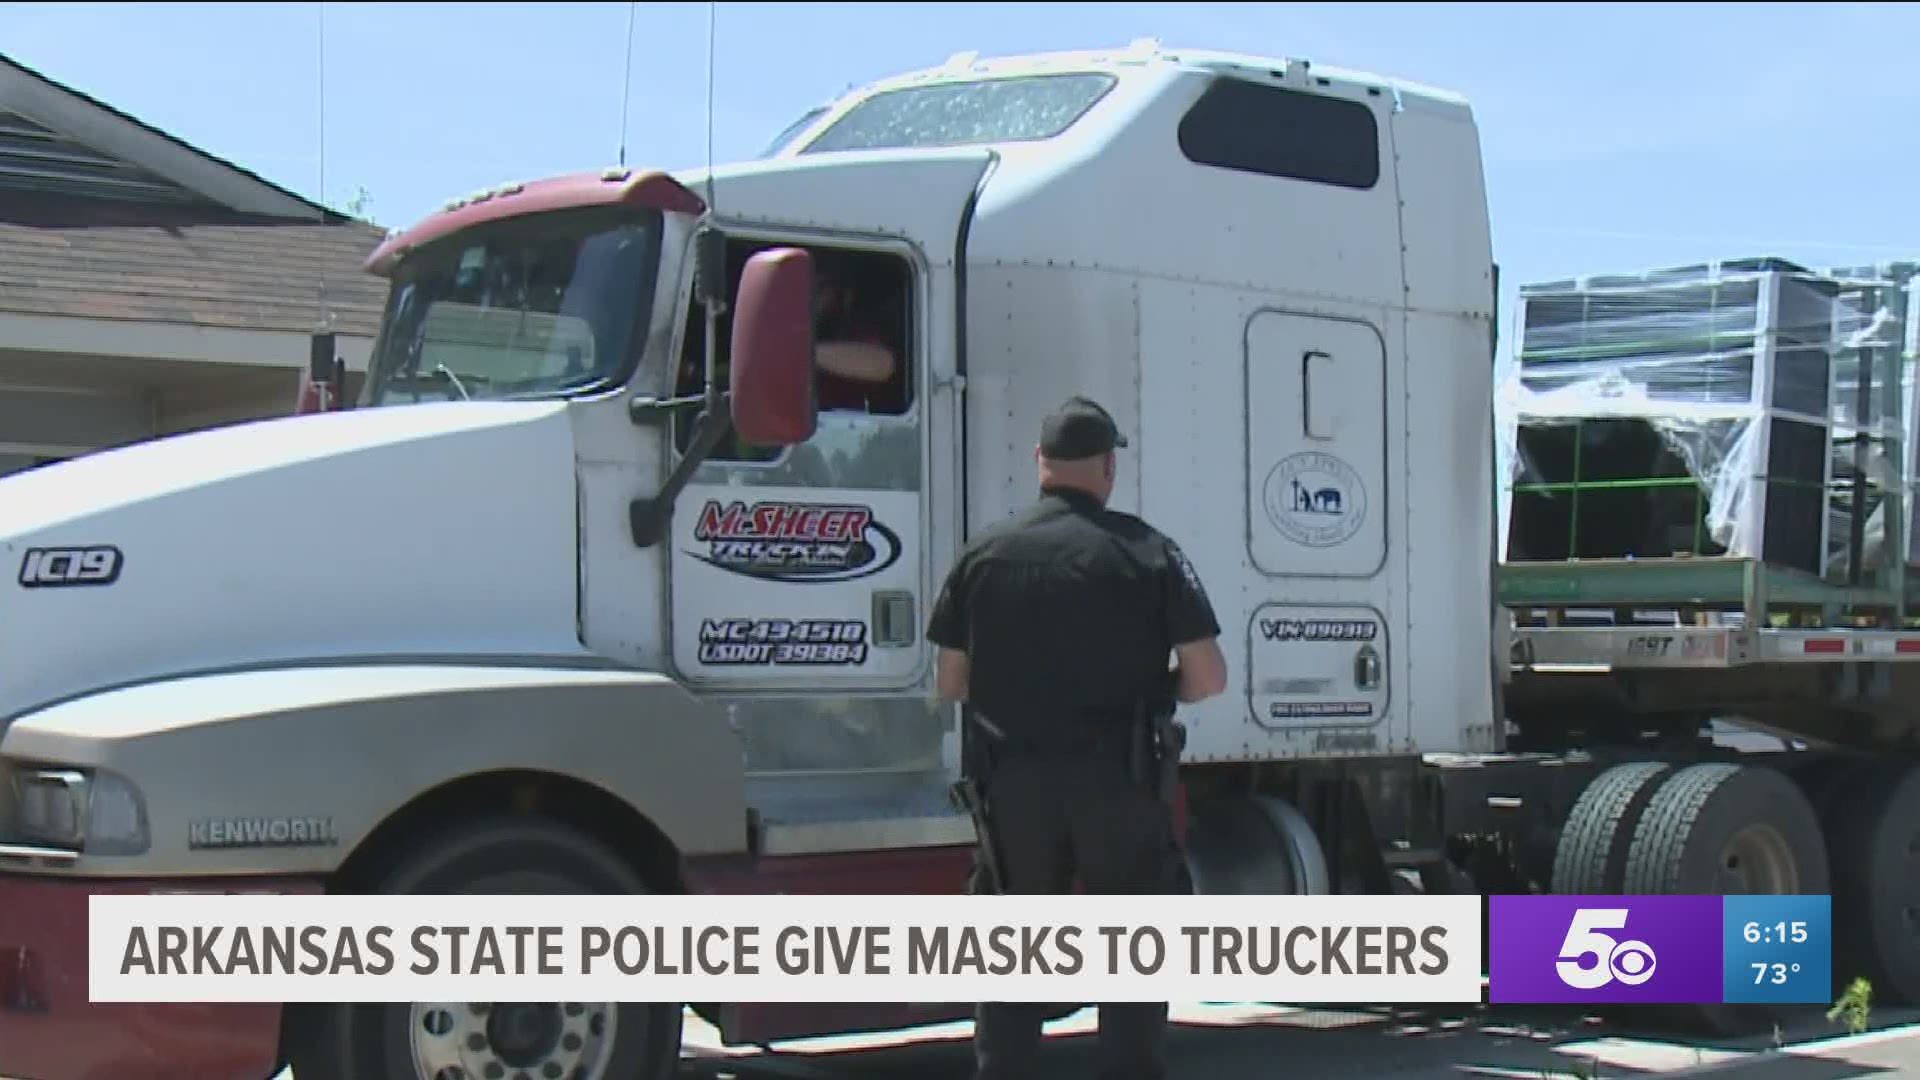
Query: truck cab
column 616, row 577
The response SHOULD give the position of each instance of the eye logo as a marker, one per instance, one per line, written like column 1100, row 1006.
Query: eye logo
column 1632, row 962
column 1590, row 959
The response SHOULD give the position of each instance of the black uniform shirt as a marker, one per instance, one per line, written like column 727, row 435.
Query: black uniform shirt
column 1067, row 614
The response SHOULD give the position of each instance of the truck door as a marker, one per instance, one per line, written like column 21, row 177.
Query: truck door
column 1316, row 521
column 809, row 569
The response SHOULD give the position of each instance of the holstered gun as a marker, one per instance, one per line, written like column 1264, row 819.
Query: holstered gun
column 969, row 793
column 1158, row 740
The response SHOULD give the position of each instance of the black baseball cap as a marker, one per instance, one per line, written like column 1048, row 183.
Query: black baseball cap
column 1078, row 429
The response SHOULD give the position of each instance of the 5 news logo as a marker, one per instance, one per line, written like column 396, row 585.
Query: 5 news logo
column 1590, row 958
column 1661, row 950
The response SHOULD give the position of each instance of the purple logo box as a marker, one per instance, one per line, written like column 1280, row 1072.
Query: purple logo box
column 1647, row 950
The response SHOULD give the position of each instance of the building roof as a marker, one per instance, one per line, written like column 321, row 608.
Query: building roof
column 104, row 216
column 64, row 257
column 54, row 138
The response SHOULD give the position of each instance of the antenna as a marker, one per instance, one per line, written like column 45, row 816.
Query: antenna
column 626, row 86
column 712, row 16
column 710, row 253
column 325, row 370
column 326, row 313
column 323, row 102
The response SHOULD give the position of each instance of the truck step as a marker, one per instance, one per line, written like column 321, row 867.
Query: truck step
column 834, row 813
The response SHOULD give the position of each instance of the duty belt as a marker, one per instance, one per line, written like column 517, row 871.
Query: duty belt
column 1061, row 733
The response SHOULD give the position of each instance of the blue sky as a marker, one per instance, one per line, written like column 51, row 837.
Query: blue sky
column 1616, row 137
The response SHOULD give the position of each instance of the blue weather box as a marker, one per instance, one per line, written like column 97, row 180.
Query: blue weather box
column 1778, row 949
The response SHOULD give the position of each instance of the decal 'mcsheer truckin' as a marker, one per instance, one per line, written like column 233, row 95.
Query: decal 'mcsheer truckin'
column 590, row 593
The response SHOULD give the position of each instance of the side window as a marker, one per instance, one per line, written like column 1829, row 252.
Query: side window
column 863, row 340
column 1275, row 131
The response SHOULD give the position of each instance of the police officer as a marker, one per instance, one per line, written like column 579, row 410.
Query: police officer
column 1054, row 627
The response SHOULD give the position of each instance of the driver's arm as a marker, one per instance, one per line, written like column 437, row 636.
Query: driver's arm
column 861, row 361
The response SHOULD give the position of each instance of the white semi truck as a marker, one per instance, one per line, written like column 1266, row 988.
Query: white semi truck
column 572, row 602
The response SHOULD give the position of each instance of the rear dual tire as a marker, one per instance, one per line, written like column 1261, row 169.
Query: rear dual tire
column 1645, row 828
column 1867, row 815
column 1592, row 855
column 1727, row 830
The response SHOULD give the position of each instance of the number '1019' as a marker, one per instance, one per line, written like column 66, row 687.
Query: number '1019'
column 49, row 567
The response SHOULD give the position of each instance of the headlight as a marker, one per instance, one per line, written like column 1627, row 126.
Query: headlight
column 98, row 812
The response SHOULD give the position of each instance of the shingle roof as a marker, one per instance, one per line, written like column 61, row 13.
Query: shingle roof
column 94, row 102
column 93, row 259
column 189, row 262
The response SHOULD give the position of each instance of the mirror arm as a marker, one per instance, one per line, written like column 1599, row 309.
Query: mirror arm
column 710, row 280
column 652, row 410
column 648, row 517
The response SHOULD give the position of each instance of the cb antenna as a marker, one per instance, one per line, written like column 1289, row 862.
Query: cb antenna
column 326, row 370
column 626, row 87
column 710, row 252
column 322, row 6
column 326, row 315
column 712, row 15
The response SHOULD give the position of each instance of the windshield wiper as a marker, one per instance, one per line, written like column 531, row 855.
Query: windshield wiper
column 447, row 372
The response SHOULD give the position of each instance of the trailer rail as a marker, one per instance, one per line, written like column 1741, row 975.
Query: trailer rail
column 1603, row 648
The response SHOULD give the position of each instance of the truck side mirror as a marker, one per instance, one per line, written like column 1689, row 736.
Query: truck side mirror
column 325, row 387
column 771, row 376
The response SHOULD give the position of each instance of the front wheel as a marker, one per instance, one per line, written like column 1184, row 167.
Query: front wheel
column 501, row 854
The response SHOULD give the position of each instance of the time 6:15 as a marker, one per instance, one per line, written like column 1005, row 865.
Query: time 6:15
column 1781, row 932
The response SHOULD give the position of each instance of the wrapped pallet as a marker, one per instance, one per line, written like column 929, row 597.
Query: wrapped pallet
column 1711, row 411
column 1892, row 292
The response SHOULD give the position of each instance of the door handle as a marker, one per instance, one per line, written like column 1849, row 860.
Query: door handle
column 1366, row 669
column 893, row 623
column 1306, row 394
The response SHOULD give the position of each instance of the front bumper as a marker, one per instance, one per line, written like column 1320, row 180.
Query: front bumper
column 50, row 1031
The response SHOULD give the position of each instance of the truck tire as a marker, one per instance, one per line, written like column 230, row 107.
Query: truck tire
column 1256, row 845
column 500, row 854
column 1591, row 858
column 1874, row 835
column 1725, row 829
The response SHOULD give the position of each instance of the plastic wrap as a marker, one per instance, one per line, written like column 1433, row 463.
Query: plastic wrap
column 1706, row 411
column 1897, row 303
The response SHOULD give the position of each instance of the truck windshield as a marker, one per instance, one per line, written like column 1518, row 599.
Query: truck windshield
column 546, row 305
column 965, row 113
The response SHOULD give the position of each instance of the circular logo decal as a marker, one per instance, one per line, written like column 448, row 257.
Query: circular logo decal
column 1315, row 499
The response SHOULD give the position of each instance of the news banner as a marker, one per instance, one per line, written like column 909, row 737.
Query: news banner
column 1428, row 949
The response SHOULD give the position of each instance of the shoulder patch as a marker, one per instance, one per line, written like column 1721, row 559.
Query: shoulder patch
column 1185, row 566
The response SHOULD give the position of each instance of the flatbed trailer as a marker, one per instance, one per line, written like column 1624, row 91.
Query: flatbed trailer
column 1694, row 591
column 1678, row 641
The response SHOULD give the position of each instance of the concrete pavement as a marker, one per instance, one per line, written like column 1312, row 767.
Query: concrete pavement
column 1254, row 1042
column 1249, row 1042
